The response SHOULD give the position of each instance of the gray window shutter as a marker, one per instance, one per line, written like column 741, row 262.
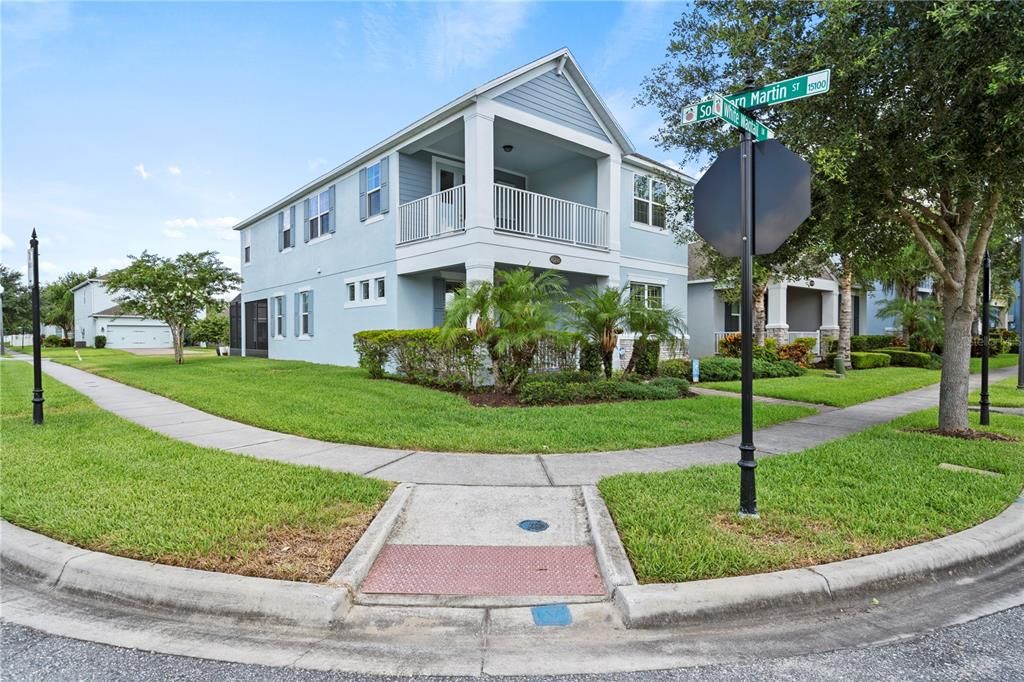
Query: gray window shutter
column 291, row 234
column 362, row 194
column 298, row 307
column 334, row 217
column 438, row 302
column 283, row 300
column 310, row 295
column 384, row 194
column 305, row 221
column 280, row 231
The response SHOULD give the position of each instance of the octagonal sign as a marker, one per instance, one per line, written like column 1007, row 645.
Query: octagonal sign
column 782, row 199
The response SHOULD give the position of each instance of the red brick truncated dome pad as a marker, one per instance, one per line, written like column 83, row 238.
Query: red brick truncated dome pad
column 472, row 570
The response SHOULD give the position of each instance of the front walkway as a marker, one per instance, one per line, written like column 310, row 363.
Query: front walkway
column 200, row 428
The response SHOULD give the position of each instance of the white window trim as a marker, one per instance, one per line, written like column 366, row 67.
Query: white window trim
column 374, row 300
column 435, row 161
column 649, row 227
column 650, row 282
column 369, row 191
column 247, row 244
column 284, row 318
column 286, row 217
column 321, row 238
column 316, row 195
column 302, row 335
column 374, row 219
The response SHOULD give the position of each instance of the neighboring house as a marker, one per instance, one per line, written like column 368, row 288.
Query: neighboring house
column 793, row 309
column 530, row 169
column 97, row 314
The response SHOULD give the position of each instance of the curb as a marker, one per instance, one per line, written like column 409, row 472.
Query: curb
column 357, row 564
column 841, row 583
column 611, row 554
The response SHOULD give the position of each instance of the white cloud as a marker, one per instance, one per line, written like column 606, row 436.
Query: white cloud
column 179, row 223
column 172, row 234
column 176, row 227
column 6, row 243
column 141, row 170
column 174, row 170
column 465, row 35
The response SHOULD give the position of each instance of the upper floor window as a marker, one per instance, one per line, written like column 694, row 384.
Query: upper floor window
column 319, row 213
column 247, row 246
column 373, row 205
column 649, row 201
column 651, row 295
column 286, row 229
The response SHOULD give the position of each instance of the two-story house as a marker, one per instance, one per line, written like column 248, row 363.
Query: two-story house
column 530, row 169
column 98, row 314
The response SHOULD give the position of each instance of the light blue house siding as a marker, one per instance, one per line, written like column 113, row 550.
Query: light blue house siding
column 553, row 97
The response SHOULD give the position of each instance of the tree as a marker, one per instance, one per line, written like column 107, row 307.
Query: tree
column 600, row 315
column 923, row 123
column 58, row 299
column 172, row 289
column 920, row 321
column 651, row 324
column 17, row 301
column 214, row 328
column 510, row 316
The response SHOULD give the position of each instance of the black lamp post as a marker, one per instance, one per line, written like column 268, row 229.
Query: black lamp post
column 985, row 296
column 37, row 346
column 1020, row 320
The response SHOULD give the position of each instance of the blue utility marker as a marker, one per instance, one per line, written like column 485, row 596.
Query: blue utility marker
column 533, row 525
column 551, row 614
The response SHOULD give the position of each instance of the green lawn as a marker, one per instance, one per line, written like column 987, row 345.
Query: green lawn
column 341, row 404
column 94, row 480
column 866, row 493
column 1002, row 394
column 859, row 385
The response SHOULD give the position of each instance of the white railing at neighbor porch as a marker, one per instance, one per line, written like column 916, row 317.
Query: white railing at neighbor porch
column 436, row 215
column 537, row 215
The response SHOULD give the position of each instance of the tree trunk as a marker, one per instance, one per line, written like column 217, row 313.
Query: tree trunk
column 845, row 314
column 760, row 318
column 606, row 360
column 178, row 338
column 958, row 318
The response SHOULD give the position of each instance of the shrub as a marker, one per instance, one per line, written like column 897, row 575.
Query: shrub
column 677, row 368
column 996, row 346
column 729, row 346
column 540, row 392
column 678, row 384
column 421, row 356
column 647, row 352
column 1011, row 342
column 590, row 357
column 570, row 377
column 799, row 351
column 729, row 369
column 769, row 352
column 865, row 360
column 100, row 341
column 52, row 341
column 863, row 343
column 907, row 358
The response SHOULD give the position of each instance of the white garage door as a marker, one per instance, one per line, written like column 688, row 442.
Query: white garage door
column 138, row 336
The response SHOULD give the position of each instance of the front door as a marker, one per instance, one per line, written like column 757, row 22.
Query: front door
column 449, row 175
column 450, row 209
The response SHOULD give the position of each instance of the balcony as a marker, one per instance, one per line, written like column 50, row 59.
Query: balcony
column 517, row 212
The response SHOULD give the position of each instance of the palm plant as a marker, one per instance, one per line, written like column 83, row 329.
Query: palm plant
column 651, row 324
column 510, row 317
column 599, row 314
column 920, row 320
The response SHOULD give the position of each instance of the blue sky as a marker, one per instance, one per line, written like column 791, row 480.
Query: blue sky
column 157, row 126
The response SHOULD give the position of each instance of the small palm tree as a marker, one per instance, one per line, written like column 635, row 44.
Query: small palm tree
column 920, row 320
column 651, row 324
column 599, row 314
column 510, row 317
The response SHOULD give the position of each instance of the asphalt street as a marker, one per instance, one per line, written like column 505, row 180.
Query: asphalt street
column 991, row 648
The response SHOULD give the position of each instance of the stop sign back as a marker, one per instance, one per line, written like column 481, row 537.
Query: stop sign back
column 782, row 199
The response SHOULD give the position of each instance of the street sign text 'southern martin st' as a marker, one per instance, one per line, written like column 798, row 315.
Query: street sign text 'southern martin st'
column 790, row 89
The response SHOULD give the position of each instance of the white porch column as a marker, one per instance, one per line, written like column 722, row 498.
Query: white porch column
column 609, row 196
column 479, row 141
column 829, row 314
column 777, row 326
column 478, row 271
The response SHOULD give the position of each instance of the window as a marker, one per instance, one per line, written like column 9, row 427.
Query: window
column 379, row 286
column 287, row 231
column 304, row 312
column 352, row 292
column 279, row 329
column 247, row 247
column 651, row 295
column 649, row 201
column 373, row 190
column 364, row 289
column 320, row 214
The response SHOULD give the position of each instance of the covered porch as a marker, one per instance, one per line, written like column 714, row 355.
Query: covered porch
column 481, row 171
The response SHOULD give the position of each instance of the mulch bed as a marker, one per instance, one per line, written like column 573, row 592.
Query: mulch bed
column 968, row 434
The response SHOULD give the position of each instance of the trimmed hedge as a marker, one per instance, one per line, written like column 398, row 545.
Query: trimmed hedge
column 100, row 341
column 864, row 360
column 421, row 356
column 538, row 391
column 863, row 343
column 900, row 357
column 729, row 369
column 677, row 368
column 647, row 352
column 996, row 346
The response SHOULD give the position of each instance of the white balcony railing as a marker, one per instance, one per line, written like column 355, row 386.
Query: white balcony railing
column 436, row 215
column 529, row 214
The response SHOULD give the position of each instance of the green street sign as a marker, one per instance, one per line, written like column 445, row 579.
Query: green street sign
column 701, row 111
column 807, row 85
column 728, row 112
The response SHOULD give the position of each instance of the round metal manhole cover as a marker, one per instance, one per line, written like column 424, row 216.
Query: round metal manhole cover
column 533, row 525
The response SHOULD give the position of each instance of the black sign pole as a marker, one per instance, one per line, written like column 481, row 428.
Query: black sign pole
column 37, row 346
column 747, row 464
column 1020, row 320
column 985, row 297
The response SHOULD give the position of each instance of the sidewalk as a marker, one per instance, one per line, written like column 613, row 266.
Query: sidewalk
column 200, row 428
